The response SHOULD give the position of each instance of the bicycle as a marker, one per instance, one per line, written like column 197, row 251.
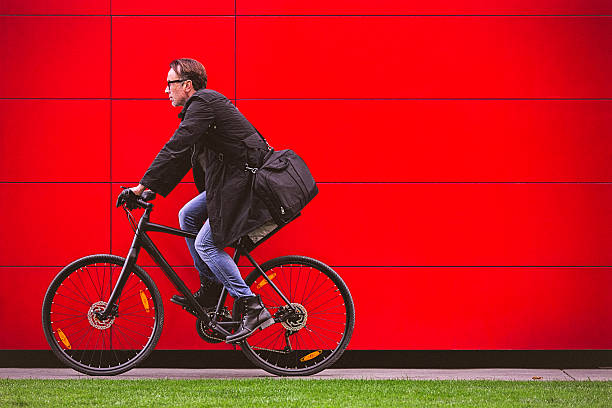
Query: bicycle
column 103, row 314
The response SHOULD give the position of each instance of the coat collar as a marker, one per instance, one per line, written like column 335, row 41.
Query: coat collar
column 181, row 114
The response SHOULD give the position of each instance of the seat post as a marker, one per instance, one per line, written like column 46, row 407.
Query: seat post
column 237, row 254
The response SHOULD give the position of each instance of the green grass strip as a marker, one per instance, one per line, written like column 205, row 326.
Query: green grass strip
column 271, row 392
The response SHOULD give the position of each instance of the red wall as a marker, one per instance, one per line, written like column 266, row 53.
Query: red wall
column 462, row 150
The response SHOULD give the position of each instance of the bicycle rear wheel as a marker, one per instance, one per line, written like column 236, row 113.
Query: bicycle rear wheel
column 101, row 347
column 315, row 337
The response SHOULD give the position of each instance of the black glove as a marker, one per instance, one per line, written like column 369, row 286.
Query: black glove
column 128, row 198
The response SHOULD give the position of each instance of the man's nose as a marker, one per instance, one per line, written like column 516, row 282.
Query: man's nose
column 167, row 90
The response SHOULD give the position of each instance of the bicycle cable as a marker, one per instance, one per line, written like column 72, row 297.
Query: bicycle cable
column 130, row 218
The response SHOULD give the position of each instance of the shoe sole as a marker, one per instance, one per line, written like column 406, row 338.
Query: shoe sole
column 266, row 324
column 207, row 308
column 176, row 302
column 262, row 326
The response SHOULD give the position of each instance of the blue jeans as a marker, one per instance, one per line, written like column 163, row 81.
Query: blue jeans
column 210, row 261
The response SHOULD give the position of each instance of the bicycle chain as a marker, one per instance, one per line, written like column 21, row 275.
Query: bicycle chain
column 277, row 351
column 274, row 351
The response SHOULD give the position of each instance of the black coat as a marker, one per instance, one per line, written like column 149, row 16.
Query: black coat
column 217, row 141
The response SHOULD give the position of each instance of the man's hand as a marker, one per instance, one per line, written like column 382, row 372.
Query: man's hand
column 138, row 189
column 127, row 197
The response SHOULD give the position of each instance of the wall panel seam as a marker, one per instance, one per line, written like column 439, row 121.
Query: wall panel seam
column 320, row 99
column 306, row 15
column 149, row 265
column 335, row 182
column 110, row 167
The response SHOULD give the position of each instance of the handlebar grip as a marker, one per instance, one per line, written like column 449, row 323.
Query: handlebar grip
column 143, row 204
column 148, row 195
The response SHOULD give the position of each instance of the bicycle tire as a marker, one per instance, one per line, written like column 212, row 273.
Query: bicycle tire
column 83, row 342
column 316, row 342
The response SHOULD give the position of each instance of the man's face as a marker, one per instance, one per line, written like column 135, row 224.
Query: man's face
column 176, row 91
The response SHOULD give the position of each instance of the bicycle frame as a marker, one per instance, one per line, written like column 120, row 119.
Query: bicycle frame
column 142, row 240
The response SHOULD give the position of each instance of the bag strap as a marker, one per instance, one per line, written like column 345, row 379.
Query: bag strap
column 263, row 138
column 253, row 170
column 214, row 125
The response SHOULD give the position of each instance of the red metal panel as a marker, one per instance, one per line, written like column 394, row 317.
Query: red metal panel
column 185, row 8
column 482, row 308
column 414, row 7
column 67, row 141
column 442, row 140
column 452, row 224
column 436, row 308
column 55, row 7
column 23, row 291
column 53, row 224
column 55, row 57
column 424, row 57
column 143, row 48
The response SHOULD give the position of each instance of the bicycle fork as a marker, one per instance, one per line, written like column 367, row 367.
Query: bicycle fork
column 111, row 306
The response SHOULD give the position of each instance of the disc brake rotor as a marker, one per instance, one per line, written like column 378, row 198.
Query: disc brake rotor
column 297, row 320
column 93, row 319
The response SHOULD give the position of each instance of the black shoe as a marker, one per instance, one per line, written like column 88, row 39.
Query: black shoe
column 207, row 296
column 255, row 316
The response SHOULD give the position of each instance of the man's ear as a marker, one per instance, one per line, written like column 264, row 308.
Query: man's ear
column 188, row 86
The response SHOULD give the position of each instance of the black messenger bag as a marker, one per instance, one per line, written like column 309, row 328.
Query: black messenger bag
column 284, row 184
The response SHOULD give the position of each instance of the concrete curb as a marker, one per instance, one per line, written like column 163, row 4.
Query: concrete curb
column 502, row 374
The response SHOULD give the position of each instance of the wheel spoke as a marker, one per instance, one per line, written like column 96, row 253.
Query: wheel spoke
column 74, row 300
column 327, row 320
column 321, row 294
column 324, row 303
column 85, row 298
column 64, row 306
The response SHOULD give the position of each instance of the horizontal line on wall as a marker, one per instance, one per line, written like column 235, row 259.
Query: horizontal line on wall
column 424, row 99
column 348, row 266
column 424, row 15
column 464, row 182
column 469, row 266
column 59, row 99
column 305, row 15
column 327, row 99
column 133, row 183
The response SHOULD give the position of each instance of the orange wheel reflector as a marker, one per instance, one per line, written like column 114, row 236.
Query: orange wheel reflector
column 311, row 355
column 145, row 301
column 263, row 281
column 64, row 339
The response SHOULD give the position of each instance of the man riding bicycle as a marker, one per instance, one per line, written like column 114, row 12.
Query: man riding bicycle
column 220, row 145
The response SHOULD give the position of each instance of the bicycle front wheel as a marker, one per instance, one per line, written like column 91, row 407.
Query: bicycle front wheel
column 101, row 347
column 314, row 336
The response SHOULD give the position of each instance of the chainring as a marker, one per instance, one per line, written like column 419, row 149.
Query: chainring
column 209, row 335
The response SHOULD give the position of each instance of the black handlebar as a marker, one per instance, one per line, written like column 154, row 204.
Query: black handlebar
column 131, row 201
column 143, row 204
column 148, row 195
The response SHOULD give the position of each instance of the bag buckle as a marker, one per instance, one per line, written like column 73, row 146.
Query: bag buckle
column 251, row 169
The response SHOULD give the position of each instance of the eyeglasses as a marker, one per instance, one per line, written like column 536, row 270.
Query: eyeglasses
column 175, row 81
